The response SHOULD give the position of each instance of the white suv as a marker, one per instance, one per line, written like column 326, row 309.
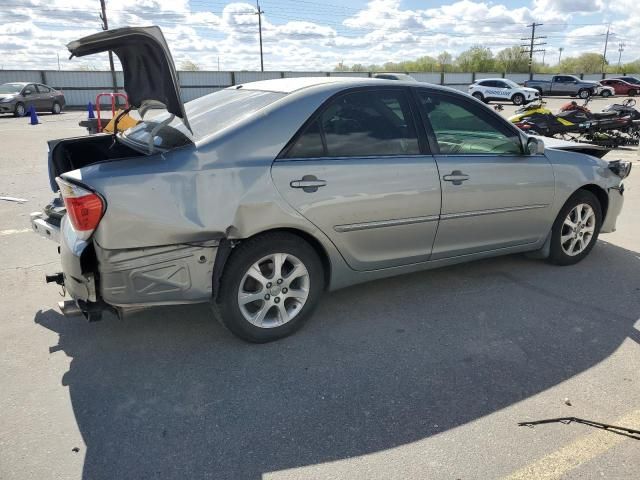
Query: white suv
column 489, row 89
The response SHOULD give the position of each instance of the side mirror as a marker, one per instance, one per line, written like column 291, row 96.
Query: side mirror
column 535, row 146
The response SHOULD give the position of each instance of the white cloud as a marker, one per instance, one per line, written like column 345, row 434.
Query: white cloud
column 35, row 32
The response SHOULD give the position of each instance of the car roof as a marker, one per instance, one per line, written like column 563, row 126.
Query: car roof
column 290, row 85
column 492, row 79
column 17, row 83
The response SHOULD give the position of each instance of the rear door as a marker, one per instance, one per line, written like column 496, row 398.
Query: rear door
column 562, row 85
column 45, row 97
column 493, row 196
column 359, row 172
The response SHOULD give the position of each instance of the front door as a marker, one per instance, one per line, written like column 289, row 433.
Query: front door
column 493, row 195
column 358, row 172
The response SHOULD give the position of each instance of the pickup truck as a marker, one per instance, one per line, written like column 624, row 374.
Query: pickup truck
column 564, row 85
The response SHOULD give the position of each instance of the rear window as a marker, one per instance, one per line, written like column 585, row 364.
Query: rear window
column 206, row 115
column 214, row 112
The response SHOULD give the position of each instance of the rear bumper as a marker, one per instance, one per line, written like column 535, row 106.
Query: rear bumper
column 616, row 201
column 98, row 279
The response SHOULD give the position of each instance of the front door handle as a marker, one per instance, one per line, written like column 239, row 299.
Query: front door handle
column 456, row 177
column 308, row 183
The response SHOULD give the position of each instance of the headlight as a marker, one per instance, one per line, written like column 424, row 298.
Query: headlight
column 622, row 168
column 6, row 99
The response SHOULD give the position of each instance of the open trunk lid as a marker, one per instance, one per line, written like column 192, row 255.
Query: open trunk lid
column 149, row 72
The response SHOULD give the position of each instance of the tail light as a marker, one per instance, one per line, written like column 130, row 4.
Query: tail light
column 84, row 207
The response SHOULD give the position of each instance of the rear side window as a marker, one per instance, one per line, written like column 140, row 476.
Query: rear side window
column 43, row 89
column 358, row 124
column 461, row 128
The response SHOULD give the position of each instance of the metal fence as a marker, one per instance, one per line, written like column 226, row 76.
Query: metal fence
column 81, row 87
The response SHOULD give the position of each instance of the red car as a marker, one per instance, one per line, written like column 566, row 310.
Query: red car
column 621, row 87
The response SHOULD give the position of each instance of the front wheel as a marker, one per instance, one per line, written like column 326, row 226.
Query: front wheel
column 56, row 108
column 479, row 96
column 576, row 228
column 518, row 99
column 19, row 110
column 606, row 93
column 270, row 285
column 584, row 94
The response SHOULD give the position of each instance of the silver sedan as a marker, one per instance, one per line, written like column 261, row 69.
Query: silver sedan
column 260, row 197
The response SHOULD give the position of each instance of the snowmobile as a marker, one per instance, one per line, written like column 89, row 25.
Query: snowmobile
column 575, row 122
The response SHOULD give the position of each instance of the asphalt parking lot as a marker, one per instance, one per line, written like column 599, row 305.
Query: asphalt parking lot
column 421, row 376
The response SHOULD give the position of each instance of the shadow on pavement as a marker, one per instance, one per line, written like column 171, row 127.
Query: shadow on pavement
column 169, row 393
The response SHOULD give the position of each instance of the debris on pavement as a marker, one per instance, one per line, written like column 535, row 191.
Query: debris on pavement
column 14, row 199
column 627, row 432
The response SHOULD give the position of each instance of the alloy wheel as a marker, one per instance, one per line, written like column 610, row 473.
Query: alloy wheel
column 20, row 110
column 273, row 290
column 578, row 229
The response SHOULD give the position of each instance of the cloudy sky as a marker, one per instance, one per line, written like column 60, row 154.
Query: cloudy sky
column 315, row 35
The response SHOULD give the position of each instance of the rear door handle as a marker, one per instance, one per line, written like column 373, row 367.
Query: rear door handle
column 456, row 177
column 308, row 183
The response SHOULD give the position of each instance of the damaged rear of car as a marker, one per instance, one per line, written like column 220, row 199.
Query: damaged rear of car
column 153, row 175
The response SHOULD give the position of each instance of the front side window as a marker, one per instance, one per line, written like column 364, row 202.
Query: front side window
column 462, row 128
column 358, row 124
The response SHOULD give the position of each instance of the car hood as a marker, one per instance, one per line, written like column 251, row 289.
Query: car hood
column 149, row 72
column 529, row 89
column 587, row 148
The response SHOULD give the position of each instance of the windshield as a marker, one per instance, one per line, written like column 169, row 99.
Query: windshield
column 11, row 87
column 511, row 83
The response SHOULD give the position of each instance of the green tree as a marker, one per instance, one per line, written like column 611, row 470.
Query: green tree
column 584, row 63
column 189, row 66
column 476, row 59
column 513, row 59
column 444, row 59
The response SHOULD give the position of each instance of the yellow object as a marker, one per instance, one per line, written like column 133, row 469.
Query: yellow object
column 542, row 110
column 125, row 122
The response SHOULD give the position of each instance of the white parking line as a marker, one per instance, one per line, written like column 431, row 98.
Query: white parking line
column 14, row 231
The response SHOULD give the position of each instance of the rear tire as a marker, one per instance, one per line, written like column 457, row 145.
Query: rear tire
column 576, row 228
column 259, row 300
column 633, row 93
column 518, row 99
column 56, row 108
column 584, row 94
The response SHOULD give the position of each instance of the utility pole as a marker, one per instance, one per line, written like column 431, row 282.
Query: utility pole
column 621, row 46
column 259, row 13
column 533, row 44
column 105, row 26
column 606, row 44
column 560, row 54
column 544, row 53
column 58, row 61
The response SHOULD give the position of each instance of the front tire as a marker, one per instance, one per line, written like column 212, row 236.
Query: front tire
column 576, row 228
column 518, row 99
column 606, row 94
column 56, row 108
column 270, row 286
column 479, row 96
column 19, row 110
